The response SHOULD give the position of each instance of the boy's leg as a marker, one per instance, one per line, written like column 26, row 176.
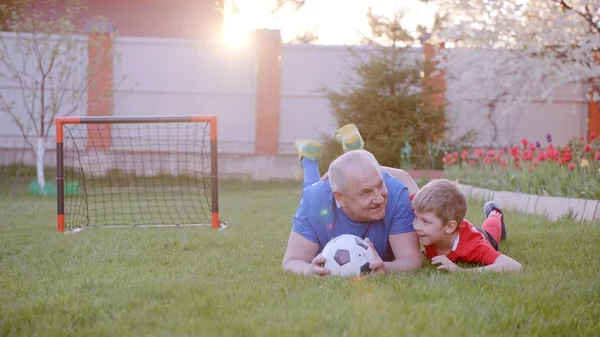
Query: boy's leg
column 494, row 222
column 349, row 137
column 309, row 153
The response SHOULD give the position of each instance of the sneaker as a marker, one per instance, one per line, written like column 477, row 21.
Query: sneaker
column 349, row 137
column 488, row 208
column 309, row 149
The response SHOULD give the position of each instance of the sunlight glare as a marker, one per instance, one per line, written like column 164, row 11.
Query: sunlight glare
column 242, row 17
column 235, row 33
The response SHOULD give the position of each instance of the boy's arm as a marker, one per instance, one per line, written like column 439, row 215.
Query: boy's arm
column 404, row 177
column 502, row 263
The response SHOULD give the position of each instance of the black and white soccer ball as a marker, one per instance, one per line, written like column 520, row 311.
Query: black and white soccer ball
column 348, row 255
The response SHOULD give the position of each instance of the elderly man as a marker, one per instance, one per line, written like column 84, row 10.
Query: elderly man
column 359, row 199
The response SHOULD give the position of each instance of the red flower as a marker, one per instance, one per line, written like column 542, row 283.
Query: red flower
column 473, row 162
column 597, row 155
column 551, row 152
column 447, row 160
column 502, row 152
column 514, row 151
column 479, row 152
column 464, row 154
column 491, row 153
column 532, row 146
column 582, row 139
column 541, row 156
column 524, row 142
column 504, row 163
column 593, row 136
column 571, row 166
column 566, row 149
column 528, row 155
column 517, row 165
column 488, row 161
column 567, row 157
column 587, row 148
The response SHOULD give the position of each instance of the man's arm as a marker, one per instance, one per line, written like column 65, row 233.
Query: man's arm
column 403, row 239
column 301, row 256
column 406, row 252
column 404, row 177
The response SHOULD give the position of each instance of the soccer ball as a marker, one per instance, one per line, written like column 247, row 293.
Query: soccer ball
column 348, row 255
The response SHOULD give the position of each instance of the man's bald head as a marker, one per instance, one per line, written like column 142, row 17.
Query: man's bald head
column 348, row 165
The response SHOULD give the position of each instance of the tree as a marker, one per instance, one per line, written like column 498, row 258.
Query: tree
column 384, row 95
column 44, row 59
column 512, row 51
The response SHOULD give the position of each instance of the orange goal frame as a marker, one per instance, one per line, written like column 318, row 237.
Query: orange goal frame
column 95, row 128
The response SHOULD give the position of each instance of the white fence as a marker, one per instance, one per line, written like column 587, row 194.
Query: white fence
column 177, row 77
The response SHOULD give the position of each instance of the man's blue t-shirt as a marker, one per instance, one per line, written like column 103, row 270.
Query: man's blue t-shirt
column 318, row 219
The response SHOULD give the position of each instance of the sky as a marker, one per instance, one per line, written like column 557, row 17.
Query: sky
column 336, row 22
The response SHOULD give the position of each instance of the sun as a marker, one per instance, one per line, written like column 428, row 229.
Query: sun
column 236, row 28
column 235, row 33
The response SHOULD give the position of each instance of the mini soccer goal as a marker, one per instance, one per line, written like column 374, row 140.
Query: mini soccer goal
column 142, row 171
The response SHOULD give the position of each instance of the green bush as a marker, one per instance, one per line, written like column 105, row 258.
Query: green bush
column 386, row 97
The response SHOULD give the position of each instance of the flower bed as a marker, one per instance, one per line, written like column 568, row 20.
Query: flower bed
column 572, row 170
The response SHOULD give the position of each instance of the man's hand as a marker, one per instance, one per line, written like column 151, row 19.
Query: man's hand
column 317, row 266
column 444, row 263
column 377, row 266
column 301, row 256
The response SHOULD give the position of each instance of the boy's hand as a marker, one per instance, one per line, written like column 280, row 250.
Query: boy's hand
column 377, row 266
column 325, row 176
column 444, row 263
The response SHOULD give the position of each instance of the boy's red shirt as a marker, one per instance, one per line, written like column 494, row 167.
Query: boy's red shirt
column 470, row 246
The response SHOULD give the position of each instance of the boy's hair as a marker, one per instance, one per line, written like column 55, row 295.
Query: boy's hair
column 444, row 199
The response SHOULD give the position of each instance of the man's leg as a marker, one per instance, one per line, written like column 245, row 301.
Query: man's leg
column 349, row 137
column 494, row 222
column 309, row 153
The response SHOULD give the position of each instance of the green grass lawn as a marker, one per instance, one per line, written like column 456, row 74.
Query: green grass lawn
column 193, row 281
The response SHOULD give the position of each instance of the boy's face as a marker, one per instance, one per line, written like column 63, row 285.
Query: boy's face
column 430, row 228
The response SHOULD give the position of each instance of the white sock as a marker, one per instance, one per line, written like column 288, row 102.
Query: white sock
column 495, row 213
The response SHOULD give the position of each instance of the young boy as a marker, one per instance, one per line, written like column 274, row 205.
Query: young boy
column 439, row 208
column 448, row 238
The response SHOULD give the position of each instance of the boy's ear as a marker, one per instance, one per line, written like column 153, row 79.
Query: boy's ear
column 451, row 226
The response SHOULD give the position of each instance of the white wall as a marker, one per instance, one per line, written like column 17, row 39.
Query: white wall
column 181, row 77
column 305, row 71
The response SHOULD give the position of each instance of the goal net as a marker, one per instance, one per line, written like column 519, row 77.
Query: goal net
column 136, row 171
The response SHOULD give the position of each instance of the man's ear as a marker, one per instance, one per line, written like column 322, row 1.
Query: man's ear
column 338, row 198
column 450, row 227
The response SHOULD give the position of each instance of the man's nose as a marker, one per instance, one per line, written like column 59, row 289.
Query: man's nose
column 378, row 198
